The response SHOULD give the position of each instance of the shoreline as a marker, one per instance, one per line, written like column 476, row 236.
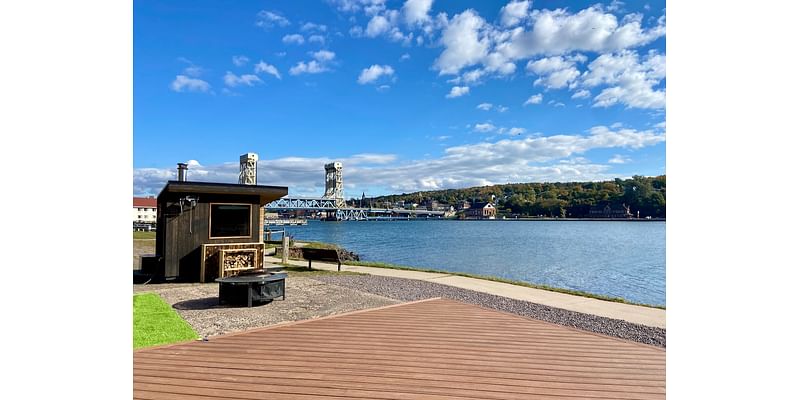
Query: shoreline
column 380, row 264
column 630, row 313
column 490, row 278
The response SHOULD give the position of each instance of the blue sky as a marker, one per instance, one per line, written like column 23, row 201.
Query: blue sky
column 409, row 95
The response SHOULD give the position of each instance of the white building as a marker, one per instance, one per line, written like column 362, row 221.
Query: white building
column 144, row 209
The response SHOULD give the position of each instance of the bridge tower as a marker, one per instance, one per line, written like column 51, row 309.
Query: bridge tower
column 248, row 170
column 334, row 188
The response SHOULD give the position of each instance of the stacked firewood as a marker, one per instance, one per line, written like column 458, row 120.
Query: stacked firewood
column 238, row 261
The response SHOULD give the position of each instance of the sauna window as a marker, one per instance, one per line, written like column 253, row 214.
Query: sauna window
column 229, row 220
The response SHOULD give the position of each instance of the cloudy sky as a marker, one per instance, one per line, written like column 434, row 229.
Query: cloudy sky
column 408, row 95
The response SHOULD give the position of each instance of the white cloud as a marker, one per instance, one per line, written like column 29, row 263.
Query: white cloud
column 473, row 76
column 465, row 43
column 267, row 19
column 529, row 159
column 618, row 159
column 631, row 81
column 232, row 80
column 294, row 39
column 383, row 88
column 263, row 67
column 618, row 6
column 485, row 127
column 502, row 109
column 324, row 55
column 468, row 40
column 581, row 94
column 310, row 26
column 516, row 131
column 556, row 72
column 557, row 32
column 316, row 39
column 405, row 57
column 316, row 66
column 458, row 91
column 183, row 83
column 535, row 99
column 356, row 31
column 312, row 67
column 240, row 60
column 484, row 106
column 514, row 12
column 371, row 74
column 377, row 25
column 370, row 7
column 416, row 11
column 280, row 54
column 191, row 70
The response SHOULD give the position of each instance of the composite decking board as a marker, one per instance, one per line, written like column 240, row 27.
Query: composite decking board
column 315, row 386
column 434, row 349
column 348, row 342
column 483, row 328
column 431, row 356
column 473, row 331
column 368, row 361
column 543, row 328
column 409, row 357
column 442, row 376
column 443, row 351
column 440, row 380
column 236, row 391
column 427, row 373
column 362, row 381
column 339, row 335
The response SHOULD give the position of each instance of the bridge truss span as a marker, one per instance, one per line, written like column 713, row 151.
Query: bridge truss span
column 328, row 206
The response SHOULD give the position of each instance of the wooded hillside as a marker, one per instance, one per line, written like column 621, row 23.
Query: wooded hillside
column 647, row 195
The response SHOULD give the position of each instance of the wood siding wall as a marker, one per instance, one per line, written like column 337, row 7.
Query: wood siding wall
column 180, row 234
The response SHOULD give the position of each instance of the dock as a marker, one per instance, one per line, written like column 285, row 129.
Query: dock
column 285, row 222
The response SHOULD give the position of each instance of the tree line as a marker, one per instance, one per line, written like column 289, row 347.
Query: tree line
column 646, row 196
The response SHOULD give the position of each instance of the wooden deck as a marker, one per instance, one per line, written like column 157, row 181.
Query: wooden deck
column 434, row 349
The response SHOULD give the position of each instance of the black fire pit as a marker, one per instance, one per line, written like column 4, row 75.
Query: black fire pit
column 253, row 287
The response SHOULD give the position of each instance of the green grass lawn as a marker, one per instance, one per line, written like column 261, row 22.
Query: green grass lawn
column 144, row 235
column 155, row 322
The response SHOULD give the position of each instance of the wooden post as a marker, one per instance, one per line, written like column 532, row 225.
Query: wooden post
column 285, row 252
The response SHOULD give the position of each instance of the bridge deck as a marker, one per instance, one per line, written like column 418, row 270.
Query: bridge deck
column 435, row 349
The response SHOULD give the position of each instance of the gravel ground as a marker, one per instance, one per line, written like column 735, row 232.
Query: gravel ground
column 306, row 298
column 412, row 289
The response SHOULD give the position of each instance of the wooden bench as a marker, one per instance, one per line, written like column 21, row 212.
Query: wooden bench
column 322, row 255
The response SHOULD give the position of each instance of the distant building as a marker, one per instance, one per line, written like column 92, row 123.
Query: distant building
column 607, row 211
column 462, row 205
column 145, row 210
column 481, row 210
column 430, row 204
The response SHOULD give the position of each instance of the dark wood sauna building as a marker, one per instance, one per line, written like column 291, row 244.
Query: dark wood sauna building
column 208, row 230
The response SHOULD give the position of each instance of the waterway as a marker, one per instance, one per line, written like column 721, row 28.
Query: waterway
column 612, row 258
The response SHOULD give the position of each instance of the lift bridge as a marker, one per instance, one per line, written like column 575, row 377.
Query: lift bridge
column 333, row 204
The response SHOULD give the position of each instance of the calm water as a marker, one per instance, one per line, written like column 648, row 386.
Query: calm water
column 620, row 259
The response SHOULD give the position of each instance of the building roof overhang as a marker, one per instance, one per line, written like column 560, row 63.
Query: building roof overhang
column 266, row 194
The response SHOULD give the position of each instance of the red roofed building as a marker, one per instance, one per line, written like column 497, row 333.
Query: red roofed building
column 145, row 209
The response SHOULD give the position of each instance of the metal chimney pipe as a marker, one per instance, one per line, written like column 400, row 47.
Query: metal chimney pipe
column 182, row 168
